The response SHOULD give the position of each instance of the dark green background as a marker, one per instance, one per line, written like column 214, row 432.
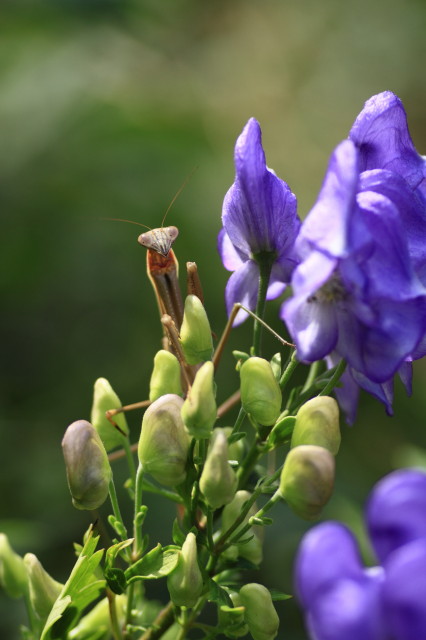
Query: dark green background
column 105, row 107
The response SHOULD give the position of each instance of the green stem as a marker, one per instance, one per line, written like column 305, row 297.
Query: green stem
column 116, row 508
column 312, row 375
column 170, row 495
column 239, row 421
column 130, row 460
column 162, row 622
column 288, row 371
column 137, row 549
column 334, row 378
column 30, row 612
column 250, row 460
column 265, row 260
column 267, row 506
column 115, row 627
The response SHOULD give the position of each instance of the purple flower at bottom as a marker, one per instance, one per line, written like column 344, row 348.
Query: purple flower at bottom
column 341, row 598
column 259, row 217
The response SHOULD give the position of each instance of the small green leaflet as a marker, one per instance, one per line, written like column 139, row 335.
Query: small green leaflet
column 157, row 563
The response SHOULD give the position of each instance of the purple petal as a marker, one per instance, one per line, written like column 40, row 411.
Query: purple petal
column 396, row 511
column 276, row 283
column 312, row 326
column 242, row 287
column 405, row 590
column 259, row 210
column 405, row 373
column 327, row 553
column 326, row 226
column 411, row 210
column 232, row 258
column 349, row 610
column 381, row 133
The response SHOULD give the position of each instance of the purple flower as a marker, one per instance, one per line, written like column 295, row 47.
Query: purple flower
column 381, row 133
column 356, row 294
column 341, row 598
column 259, row 216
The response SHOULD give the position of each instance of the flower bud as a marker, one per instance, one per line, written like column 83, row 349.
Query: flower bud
column 218, row 481
column 231, row 619
column 104, row 399
column 195, row 332
column 307, row 480
column 165, row 377
column 260, row 613
column 185, row 582
column 251, row 550
column 199, row 411
column 164, row 441
column 260, row 391
column 97, row 623
column 317, row 422
column 44, row 590
column 13, row 575
column 88, row 469
column 236, row 450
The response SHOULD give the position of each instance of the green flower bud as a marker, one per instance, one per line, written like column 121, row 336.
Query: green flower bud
column 98, row 620
column 164, row 442
column 236, row 449
column 13, row 574
column 317, row 422
column 104, row 399
column 88, row 469
column 260, row 391
column 44, row 590
column 307, row 480
column 165, row 377
column 260, row 613
column 195, row 332
column 218, row 481
column 252, row 550
column 231, row 619
column 199, row 411
column 185, row 582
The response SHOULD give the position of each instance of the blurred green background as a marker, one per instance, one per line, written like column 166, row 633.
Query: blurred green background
column 105, row 107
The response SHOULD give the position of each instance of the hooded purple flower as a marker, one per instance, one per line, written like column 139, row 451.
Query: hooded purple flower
column 381, row 134
column 356, row 292
column 259, row 216
column 341, row 598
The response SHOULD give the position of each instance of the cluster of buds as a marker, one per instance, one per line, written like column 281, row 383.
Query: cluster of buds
column 307, row 477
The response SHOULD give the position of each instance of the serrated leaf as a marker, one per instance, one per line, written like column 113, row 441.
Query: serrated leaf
column 81, row 588
column 218, row 594
column 281, row 432
column 157, row 563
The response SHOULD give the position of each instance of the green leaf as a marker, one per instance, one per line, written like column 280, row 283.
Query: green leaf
column 114, row 550
column 261, row 522
column 239, row 435
column 178, row 535
column 218, row 594
column 157, row 563
column 279, row 595
column 281, row 431
column 81, row 588
column 276, row 366
column 116, row 580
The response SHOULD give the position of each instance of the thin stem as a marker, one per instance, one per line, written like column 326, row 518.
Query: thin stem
column 137, row 548
column 312, row 375
column 130, row 461
column 267, row 506
column 116, row 507
column 334, row 378
column 239, row 421
column 162, row 622
column 115, row 627
column 256, row 450
column 210, row 529
column 265, row 260
column 288, row 371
